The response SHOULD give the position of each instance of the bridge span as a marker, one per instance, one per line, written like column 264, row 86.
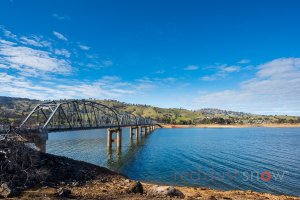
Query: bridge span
column 72, row 115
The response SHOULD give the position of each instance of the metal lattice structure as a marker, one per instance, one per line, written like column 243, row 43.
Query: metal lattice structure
column 79, row 114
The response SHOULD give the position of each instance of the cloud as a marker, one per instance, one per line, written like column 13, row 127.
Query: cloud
column 31, row 62
column 244, row 61
column 159, row 72
column 84, row 47
column 229, row 69
column 60, row 36
column 274, row 89
column 61, row 16
column 107, row 63
column 191, row 67
column 7, row 33
column 62, row 52
column 208, row 78
column 221, row 72
column 105, row 87
column 34, row 68
column 34, row 41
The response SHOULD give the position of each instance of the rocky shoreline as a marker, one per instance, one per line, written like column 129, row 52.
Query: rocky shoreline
column 29, row 174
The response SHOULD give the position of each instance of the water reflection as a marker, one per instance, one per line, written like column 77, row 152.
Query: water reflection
column 116, row 157
column 89, row 146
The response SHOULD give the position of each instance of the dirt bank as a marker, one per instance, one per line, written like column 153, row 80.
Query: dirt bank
column 116, row 188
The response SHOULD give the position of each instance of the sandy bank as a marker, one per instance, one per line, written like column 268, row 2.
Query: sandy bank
column 232, row 126
column 117, row 188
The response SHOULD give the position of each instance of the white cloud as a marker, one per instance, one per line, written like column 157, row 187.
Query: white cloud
column 34, row 41
column 61, row 16
column 62, row 52
column 107, row 63
column 159, row 72
column 244, row 61
column 274, row 89
column 191, row 67
column 221, row 72
column 106, row 87
column 60, row 36
column 84, row 47
column 31, row 67
column 230, row 69
column 208, row 78
column 31, row 62
column 7, row 33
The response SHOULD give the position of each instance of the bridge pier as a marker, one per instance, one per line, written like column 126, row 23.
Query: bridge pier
column 131, row 132
column 39, row 139
column 110, row 132
column 145, row 131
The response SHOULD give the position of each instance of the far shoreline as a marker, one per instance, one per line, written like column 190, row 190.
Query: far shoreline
column 297, row 125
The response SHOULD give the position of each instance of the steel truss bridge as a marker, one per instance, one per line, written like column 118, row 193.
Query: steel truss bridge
column 79, row 115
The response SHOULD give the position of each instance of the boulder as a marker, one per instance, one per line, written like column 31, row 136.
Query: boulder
column 212, row 198
column 6, row 191
column 135, row 187
column 63, row 192
column 165, row 191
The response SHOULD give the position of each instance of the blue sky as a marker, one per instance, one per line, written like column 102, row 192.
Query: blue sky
column 235, row 55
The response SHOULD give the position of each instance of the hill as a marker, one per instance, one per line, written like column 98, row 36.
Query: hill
column 14, row 110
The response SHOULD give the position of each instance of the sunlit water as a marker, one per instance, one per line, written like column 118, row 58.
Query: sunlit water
column 224, row 159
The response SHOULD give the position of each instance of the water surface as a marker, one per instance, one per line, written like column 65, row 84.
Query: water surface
column 219, row 158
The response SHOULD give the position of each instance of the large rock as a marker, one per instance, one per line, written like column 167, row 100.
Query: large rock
column 63, row 192
column 165, row 191
column 6, row 191
column 135, row 187
column 212, row 198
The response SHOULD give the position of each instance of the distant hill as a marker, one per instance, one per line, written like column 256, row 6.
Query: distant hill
column 214, row 111
column 16, row 109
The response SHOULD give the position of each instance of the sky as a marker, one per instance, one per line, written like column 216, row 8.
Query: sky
column 240, row 55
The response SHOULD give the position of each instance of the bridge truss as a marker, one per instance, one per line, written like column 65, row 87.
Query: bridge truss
column 79, row 114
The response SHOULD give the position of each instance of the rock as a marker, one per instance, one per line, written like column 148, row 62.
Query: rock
column 7, row 192
column 135, row 187
column 212, row 198
column 62, row 183
column 75, row 184
column 63, row 192
column 165, row 191
column 127, row 181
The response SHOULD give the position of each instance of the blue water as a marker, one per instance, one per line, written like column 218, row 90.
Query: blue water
column 219, row 158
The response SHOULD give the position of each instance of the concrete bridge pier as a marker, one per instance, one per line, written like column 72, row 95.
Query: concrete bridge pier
column 39, row 139
column 146, row 130
column 132, row 130
column 110, row 132
column 142, row 130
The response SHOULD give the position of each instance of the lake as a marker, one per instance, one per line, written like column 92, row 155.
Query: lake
column 259, row 159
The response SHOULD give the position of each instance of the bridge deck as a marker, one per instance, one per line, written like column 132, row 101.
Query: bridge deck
column 29, row 130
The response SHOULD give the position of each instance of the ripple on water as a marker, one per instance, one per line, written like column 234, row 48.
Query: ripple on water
column 180, row 156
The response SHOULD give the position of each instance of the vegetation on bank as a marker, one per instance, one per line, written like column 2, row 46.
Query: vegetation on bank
column 14, row 110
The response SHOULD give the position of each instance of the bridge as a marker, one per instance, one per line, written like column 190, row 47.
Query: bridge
column 72, row 115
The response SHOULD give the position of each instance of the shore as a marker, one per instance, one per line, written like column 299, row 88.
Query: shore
column 117, row 188
column 232, row 126
column 39, row 175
